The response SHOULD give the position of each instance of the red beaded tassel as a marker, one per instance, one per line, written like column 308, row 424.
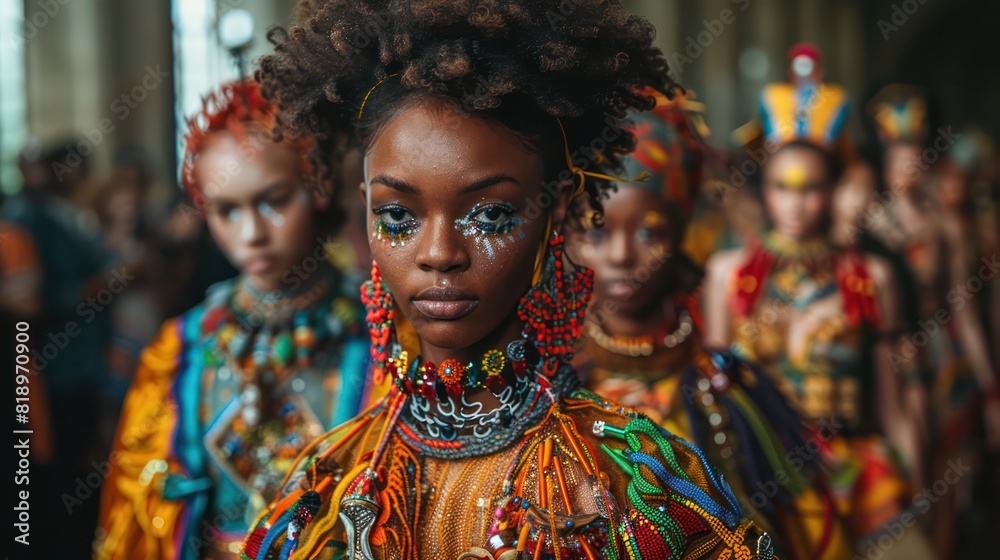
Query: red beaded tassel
column 379, row 315
column 553, row 310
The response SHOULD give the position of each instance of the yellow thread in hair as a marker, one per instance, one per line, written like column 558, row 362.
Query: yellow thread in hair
column 370, row 91
column 582, row 174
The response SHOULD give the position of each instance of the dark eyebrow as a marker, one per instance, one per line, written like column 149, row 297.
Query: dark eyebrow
column 403, row 186
column 489, row 182
column 394, row 184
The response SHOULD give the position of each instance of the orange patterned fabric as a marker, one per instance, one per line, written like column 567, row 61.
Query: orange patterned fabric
column 444, row 508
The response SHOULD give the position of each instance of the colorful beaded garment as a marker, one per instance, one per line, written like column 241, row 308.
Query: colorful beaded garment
column 224, row 400
column 807, row 317
column 588, row 480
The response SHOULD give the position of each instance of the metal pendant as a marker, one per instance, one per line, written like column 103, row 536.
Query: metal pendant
column 765, row 549
column 358, row 514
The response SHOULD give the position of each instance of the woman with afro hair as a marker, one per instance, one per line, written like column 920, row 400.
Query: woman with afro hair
column 478, row 123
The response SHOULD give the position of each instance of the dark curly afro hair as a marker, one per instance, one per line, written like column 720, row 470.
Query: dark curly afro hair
column 525, row 63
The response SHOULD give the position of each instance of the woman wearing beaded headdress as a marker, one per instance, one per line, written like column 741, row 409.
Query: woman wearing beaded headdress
column 478, row 122
column 819, row 319
column 229, row 392
column 940, row 250
column 641, row 344
column 945, row 349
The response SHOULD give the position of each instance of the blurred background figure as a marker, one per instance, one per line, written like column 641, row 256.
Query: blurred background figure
column 70, row 335
column 120, row 208
column 818, row 317
column 642, row 346
column 98, row 242
column 230, row 391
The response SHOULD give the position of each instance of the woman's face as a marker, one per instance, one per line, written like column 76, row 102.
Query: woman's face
column 952, row 187
column 259, row 211
column 851, row 199
column 797, row 192
column 902, row 167
column 629, row 254
column 448, row 198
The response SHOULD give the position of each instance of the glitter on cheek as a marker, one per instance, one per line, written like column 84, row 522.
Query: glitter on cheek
column 486, row 241
column 395, row 236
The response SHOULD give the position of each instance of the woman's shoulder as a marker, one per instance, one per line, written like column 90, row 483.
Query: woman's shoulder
column 662, row 484
column 727, row 260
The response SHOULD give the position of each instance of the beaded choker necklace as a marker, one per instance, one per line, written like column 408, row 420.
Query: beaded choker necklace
column 443, row 423
column 494, row 371
column 644, row 345
column 272, row 332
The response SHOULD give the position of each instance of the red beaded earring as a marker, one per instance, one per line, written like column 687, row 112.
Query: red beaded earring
column 379, row 315
column 553, row 309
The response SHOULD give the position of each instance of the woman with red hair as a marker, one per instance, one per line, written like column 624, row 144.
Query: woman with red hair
column 229, row 392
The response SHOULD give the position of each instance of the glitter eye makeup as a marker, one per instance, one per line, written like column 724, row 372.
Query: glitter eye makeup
column 493, row 218
column 394, row 223
column 271, row 214
column 491, row 225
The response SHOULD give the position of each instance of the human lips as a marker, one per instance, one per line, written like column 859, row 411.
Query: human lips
column 618, row 288
column 446, row 304
column 258, row 264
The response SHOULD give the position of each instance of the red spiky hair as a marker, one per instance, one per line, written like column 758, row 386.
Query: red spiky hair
column 239, row 109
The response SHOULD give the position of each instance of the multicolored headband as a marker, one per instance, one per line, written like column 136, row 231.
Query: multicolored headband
column 670, row 151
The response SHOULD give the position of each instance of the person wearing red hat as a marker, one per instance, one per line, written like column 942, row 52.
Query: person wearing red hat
column 805, row 65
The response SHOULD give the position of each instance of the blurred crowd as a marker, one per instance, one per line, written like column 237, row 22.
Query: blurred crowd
column 95, row 266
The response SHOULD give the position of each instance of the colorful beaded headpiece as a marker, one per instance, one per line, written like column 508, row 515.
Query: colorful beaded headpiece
column 899, row 113
column 669, row 152
column 815, row 113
